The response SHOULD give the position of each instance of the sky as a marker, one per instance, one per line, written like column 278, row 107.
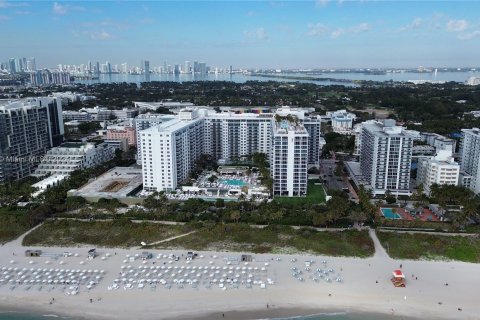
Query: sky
column 244, row 34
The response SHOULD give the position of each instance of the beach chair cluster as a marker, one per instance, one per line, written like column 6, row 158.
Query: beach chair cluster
column 69, row 281
column 320, row 274
column 181, row 274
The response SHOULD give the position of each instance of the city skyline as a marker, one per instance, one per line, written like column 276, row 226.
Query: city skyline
column 281, row 34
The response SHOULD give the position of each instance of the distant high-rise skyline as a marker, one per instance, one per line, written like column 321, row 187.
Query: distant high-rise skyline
column 254, row 34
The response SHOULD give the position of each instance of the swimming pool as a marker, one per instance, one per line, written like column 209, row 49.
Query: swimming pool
column 389, row 214
column 233, row 182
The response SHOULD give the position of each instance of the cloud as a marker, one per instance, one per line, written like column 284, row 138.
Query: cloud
column 415, row 24
column 316, row 29
column 100, row 35
column 4, row 18
column 23, row 12
column 61, row 10
column 9, row 4
column 112, row 24
column 362, row 27
column 456, row 25
column 257, row 34
column 321, row 3
column 251, row 13
column 469, row 35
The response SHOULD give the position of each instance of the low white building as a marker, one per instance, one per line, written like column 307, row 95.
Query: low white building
column 438, row 141
column 440, row 169
column 46, row 183
column 69, row 157
column 76, row 115
column 342, row 121
column 473, row 81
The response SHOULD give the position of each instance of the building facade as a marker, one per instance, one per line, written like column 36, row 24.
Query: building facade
column 70, row 156
column 440, row 169
column 342, row 121
column 470, row 159
column 76, row 116
column 385, row 157
column 27, row 129
column 145, row 121
column 289, row 159
column 169, row 150
column 438, row 141
column 120, row 132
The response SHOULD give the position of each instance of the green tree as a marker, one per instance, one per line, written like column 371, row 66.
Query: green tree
column 235, row 215
column 155, row 200
column 88, row 127
column 220, row 203
column 357, row 216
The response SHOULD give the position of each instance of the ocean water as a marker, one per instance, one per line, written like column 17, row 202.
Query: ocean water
column 343, row 316
column 14, row 315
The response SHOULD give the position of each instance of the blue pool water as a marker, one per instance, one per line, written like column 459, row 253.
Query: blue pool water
column 233, row 182
column 389, row 214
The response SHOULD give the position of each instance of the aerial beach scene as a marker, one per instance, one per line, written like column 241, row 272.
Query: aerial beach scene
column 122, row 283
column 243, row 160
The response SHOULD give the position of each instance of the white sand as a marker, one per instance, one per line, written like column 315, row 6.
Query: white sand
column 359, row 292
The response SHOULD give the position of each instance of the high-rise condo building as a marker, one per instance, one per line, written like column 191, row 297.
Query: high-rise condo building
column 385, row 157
column 470, row 159
column 27, row 129
column 145, row 121
column 289, row 158
column 168, row 151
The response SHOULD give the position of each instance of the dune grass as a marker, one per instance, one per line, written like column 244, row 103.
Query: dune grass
column 429, row 246
column 275, row 239
column 12, row 224
column 121, row 233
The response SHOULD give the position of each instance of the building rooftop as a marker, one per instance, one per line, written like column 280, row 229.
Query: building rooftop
column 119, row 182
column 385, row 129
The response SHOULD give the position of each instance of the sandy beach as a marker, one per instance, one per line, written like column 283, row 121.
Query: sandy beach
column 365, row 286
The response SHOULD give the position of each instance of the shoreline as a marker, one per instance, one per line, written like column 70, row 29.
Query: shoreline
column 366, row 290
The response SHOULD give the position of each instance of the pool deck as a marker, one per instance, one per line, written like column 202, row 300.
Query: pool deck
column 426, row 215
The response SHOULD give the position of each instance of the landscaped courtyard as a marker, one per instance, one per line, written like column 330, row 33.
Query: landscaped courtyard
column 315, row 194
